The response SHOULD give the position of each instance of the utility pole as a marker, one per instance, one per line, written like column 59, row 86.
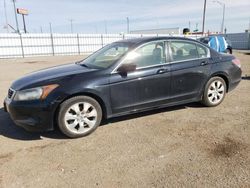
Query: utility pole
column 128, row 31
column 106, row 28
column 6, row 17
column 249, row 26
column 24, row 24
column 41, row 29
column 223, row 16
column 71, row 25
column 204, row 16
column 50, row 27
column 15, row 11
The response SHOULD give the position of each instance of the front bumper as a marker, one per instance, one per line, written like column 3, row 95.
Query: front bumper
column 31, row 115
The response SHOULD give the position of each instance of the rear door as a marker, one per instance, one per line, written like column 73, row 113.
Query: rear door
column 147, row 86
column 190, row 66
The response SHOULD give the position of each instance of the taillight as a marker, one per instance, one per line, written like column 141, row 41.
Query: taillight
column 237, row 62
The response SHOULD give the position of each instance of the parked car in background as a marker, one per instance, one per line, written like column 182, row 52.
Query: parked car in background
column 218, row 43
column 122, row 78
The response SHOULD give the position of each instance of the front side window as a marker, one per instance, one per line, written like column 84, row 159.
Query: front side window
column 148, row 55
column 107, row 56
column 182, row 50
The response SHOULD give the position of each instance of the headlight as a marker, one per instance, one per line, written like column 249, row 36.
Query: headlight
column 35, row 93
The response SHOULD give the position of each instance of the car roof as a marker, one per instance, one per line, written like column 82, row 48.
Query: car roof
column 149, row 39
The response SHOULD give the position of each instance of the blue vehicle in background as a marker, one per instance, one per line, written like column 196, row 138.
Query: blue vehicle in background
column 218, row 43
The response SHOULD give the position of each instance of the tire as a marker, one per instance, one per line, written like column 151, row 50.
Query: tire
column 79, row 116
column 215, row 92
column 228, row 51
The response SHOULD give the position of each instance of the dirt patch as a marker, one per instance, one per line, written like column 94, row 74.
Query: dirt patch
column 227, row 148
column 1, row 180
column 5, row 158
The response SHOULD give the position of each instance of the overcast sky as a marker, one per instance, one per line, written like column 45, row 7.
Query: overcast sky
column 90, row 16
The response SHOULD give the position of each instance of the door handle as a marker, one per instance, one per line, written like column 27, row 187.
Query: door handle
column 203, row 63
column 161, row 71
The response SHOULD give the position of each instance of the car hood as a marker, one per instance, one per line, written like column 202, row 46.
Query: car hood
column 49, row 75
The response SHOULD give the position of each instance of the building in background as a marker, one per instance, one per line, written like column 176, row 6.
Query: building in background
column 164, row 31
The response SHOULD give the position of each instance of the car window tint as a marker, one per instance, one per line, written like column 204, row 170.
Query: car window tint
column 148, row 55
column 183, row 51
column 202, row 51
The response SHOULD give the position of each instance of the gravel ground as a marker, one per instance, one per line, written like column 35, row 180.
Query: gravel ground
column 183, row 146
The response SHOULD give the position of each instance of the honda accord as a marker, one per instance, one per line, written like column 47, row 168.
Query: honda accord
column 124, row 77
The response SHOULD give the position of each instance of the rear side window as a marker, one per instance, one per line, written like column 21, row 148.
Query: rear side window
column 202, row 51
column 182, row 50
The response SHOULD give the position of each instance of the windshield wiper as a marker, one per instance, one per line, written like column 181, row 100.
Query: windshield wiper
column 84, row 65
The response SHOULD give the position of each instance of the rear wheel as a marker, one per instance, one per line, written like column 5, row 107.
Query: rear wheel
column 228, row 51
column 214, row 92
column 79, row 116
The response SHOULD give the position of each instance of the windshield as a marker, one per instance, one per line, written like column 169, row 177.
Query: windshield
column 106, row 56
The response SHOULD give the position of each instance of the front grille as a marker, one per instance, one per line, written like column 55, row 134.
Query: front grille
column 11, row 93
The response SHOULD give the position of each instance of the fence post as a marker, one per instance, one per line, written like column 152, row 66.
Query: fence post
column 102, row 39
column 248, row 41
column 78, row 44
column 123, row 36
column 52, row 44
column 21, row 40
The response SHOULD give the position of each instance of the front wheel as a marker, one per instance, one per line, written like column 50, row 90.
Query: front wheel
column 79, row 116
column 214, row 92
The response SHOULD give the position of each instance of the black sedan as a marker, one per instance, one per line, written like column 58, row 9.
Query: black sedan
column 122, row 78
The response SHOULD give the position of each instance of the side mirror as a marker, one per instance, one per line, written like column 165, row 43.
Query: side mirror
column 127, row 67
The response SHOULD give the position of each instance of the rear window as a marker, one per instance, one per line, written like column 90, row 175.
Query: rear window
column 202, row 51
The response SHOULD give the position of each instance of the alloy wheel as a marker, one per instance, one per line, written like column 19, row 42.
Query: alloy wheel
column 216, row 92
column 80, row 117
